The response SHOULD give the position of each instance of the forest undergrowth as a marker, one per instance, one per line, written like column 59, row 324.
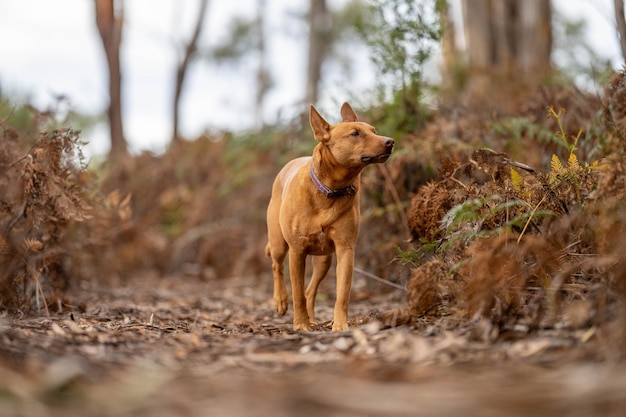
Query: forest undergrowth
column 513, row 219
column 523, row 247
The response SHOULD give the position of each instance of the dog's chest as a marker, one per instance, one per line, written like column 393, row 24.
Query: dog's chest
column 315, row 233
column 319, row 243
column 319, row 236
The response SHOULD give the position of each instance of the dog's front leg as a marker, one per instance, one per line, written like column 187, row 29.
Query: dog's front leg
column 321, row 265
column 296, row 274
column 345, row 268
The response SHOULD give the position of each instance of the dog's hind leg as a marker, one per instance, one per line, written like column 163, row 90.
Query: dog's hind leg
column 278, row 251
column 321, row 265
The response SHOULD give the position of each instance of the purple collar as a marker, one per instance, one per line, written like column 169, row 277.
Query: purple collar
column 328, row 192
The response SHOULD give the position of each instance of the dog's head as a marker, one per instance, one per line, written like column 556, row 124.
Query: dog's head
column 352, row 143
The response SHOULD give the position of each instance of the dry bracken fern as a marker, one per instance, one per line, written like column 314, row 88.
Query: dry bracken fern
column 40, row 196
column 615, row 107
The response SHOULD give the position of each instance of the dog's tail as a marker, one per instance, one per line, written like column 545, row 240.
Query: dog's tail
column 268, row 252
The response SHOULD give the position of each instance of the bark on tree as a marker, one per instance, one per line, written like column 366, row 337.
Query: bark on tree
column 507, row 37
column 448, row 45
column 263, row 75
column 621, row 25
column 181, row 71
column 109, row 19
column 320, row 27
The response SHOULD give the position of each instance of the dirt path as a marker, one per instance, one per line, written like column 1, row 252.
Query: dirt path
column 184, row 347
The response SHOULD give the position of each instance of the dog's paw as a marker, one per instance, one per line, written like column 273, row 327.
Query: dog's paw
column 303, row 326
column 280, row 304
column 340, row 326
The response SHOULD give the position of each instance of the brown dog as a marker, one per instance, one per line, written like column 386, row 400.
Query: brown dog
column 314, row 210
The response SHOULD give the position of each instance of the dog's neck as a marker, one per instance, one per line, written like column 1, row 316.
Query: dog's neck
column 325, row 183
column 330, row 192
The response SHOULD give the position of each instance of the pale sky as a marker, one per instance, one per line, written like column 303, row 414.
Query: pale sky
column 52, row 47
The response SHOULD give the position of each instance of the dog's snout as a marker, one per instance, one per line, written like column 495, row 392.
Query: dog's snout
column 389, row 143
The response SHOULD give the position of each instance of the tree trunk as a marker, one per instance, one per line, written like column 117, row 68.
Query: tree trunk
column 320, row 26
column 534, row 35
column 506, row 38
column 448, row 46
column 621, row 25
column 181, row 71
column 478, row 33
column 109, row 19
column 263, row 75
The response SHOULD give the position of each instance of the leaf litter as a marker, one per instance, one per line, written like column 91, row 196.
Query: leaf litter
column 169, row 344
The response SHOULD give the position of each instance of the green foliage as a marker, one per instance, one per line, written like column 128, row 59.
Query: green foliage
column 490, row 215
column 401, row 35
column 573, row 174
column 415, row 257
column 466, row 222
column 28, row 121
column 519, row 128
column 243, row 38
column 348, row 18
column 561, row 135
column 17, row 117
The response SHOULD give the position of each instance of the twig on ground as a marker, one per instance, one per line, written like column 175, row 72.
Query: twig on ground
column 379, row 279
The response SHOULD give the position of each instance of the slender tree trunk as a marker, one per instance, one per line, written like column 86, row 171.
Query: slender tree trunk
column 109, row 19
column 534, row 32
column 263, row 76
column 448, row 45
column 621, row 25
column 506, row 37
column 502, row 27
column 320, row 26
column 477, row 17
column 183, row 65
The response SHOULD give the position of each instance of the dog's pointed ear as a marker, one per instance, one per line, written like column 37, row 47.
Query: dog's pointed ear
column 347, row 114
column 321, row 128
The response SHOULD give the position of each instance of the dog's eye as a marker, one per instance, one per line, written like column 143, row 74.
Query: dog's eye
column 356, row 133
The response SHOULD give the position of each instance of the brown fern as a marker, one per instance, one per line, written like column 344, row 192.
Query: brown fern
column 41, row 196
column 615, row 107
